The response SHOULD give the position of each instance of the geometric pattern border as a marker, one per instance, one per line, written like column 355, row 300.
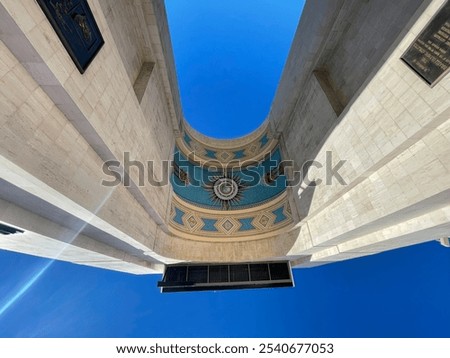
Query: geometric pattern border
column 226, row 156
column 188, row 222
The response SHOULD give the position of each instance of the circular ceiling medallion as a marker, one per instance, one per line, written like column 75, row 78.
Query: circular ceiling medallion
column 226, row 188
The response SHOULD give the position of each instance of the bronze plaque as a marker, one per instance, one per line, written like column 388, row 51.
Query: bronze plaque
column 75, row 26
column 429, row 54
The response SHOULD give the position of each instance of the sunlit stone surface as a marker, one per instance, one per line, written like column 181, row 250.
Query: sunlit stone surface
column 378, row 134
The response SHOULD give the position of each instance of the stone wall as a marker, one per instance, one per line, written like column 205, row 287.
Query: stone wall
column 394, row 137
column 60, row 126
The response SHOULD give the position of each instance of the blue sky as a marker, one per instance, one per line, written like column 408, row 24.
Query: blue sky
column 229, row 56
column 401, row 293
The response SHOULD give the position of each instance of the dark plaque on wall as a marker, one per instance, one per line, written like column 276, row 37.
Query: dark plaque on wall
column 75, row 25
column 429, row 54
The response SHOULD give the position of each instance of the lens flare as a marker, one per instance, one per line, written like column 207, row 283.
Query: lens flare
column 36, row 276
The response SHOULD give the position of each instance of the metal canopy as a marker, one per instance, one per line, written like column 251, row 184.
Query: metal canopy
column 213, row 277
